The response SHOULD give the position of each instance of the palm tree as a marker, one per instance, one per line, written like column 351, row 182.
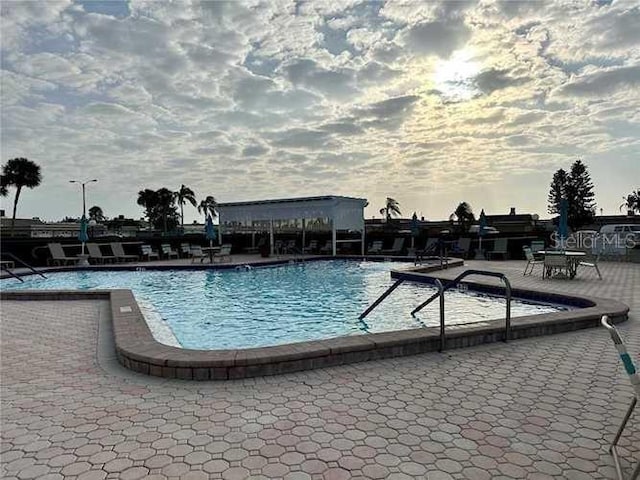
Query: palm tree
column 632, row 202
column 464, row 215
column 208, row 207
column 96, row 213
column 391, row 209
column 184, row 195
column 4, row 187
column 19, row 173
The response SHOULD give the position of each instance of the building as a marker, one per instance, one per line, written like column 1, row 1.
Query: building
column 336, row 214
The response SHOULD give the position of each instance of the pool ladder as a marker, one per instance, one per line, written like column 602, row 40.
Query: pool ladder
column 440, row 294
column 22, row 262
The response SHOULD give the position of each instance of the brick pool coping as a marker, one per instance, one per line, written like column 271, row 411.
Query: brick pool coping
column 137, row 350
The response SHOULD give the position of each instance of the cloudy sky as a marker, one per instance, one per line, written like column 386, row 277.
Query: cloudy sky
column 430, row 103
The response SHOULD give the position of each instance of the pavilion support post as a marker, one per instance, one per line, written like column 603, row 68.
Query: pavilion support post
column 362, row 242
column 304, row 241
column 333, row 237
column 271, row 239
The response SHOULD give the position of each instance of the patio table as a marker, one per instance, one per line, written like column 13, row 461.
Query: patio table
column 573, row 259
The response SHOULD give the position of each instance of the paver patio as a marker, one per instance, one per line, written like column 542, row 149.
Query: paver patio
column 538, row 408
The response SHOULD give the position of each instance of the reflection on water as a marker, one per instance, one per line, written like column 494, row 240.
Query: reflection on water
column 210, row 309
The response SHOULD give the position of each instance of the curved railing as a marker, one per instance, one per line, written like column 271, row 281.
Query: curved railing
column 440, row 293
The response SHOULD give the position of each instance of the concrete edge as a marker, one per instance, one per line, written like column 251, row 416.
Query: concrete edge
column 137, row 350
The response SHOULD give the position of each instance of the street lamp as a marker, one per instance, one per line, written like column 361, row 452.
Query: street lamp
column 84, row 200
column 83, row 258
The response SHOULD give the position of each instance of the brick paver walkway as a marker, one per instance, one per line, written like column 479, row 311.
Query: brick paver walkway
column 537, row 408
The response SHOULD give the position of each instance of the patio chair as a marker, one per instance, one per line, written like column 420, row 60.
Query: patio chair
column 461, row 248
column 430, row 248
column 58, row 257
column 396, row 249
column 96, row 253
column 555, row 263
column 327, row 248
column 531, row 261
column 224, row 253
column 312, row 247
column 499, row 248
column 634, row 378
column 290, row 246
column 185, row 250
column 167, row 251
column 537, row 246
column 196, row 252
column 375, row 248
column 118, row 251
column 277, row 247
column 592, row 263
column 148, row 252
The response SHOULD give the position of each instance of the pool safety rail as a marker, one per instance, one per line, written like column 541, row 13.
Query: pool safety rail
column 634, row 378
column 440, row 294
column 21, row 262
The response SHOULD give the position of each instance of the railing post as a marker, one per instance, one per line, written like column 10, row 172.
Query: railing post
column 507, row 328
column 443, row 339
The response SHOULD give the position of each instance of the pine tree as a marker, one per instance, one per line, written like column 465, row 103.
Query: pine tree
column 558, row 190
column 580, row 196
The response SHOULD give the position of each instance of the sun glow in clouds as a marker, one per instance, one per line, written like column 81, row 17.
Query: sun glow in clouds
column 454, row 77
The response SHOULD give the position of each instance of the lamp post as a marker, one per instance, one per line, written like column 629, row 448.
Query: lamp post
column 83, row 258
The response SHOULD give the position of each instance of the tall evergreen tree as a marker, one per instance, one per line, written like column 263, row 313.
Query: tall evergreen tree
column 580, row 196
column 558, row 190
column 577, row 188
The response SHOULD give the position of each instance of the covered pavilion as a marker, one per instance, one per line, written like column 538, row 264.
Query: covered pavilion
column 340, row 214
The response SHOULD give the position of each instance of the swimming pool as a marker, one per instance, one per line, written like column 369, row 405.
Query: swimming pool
column 220, row 309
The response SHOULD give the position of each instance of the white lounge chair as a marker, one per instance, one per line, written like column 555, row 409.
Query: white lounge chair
column 185, row 250
column 168, row 252
column 396, row 249
column 312, row 247
column 375, row 248
column 148, row 252
column 96, row 253
column 499, row 248
column 196, row 252
column 118, row 251
column 58, row 257
column 224, row 253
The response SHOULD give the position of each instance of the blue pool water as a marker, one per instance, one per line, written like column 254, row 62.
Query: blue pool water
column 212, row 309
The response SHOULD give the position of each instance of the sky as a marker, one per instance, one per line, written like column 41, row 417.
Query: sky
column 430, row 103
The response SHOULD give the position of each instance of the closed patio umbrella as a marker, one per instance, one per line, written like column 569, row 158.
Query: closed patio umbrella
column 481, row 233
column 83, row 236
column 210, row 230
column 563, row 224
column 415, row 229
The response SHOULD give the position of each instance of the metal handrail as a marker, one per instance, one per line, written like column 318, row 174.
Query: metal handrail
column 12, row 256
column 455, row 282
column 381, row 298
column 634, row 378
column 6, row 269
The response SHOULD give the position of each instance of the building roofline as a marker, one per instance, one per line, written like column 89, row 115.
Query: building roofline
column 290, row 200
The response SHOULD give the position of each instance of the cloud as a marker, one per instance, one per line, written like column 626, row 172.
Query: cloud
column 603, row 81
column 440, row 38
column 496, row 79
column 339, row 97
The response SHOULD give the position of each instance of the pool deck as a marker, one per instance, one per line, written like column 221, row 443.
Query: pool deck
column 538, row 408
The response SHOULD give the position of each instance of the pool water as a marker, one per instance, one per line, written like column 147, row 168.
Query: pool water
column 216, row 309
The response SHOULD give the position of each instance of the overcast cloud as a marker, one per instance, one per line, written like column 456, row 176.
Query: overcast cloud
column 430, row 103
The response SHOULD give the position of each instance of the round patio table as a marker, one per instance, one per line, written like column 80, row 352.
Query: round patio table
column 573, row 259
